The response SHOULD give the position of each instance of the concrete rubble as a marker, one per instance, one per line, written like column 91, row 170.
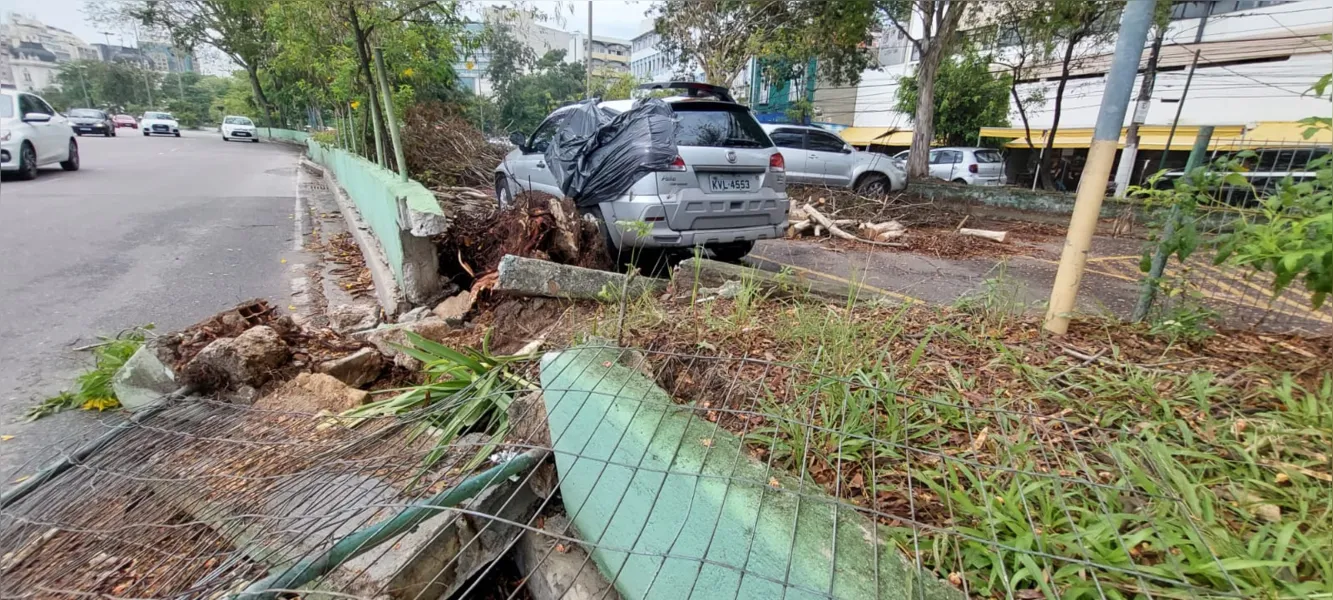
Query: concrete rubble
column 313, row 393
column 533, row 277
column 414, row 315
column 248, row 359
column 347, row 318
column 143, row 379
column 455, row 308
column 386, row 338
column 558, row 569
column 356, row 369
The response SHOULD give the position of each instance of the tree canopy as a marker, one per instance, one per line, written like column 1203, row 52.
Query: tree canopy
column 967, row 97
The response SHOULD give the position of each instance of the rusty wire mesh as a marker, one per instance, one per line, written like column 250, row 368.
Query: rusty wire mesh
column 982, row 495
column 1235, row 296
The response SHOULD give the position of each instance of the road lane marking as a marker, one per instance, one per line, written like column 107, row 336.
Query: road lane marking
column 822, row 275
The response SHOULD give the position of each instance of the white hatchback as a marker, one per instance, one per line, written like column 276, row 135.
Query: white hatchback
column 973, row 166
column 159, row 123
column 239, row 128
column 33, row 134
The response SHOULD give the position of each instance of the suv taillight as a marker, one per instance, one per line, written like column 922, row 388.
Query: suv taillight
column 972, row 168
column 776, row 163
column 677, row 165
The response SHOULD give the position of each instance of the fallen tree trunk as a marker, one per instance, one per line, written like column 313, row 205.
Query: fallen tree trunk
column 994, row 236
column 710, row 273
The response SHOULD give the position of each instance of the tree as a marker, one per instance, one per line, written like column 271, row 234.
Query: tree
column 1077, row 26
column 967, row 97
column 613, row 86
column 1025, row 48
column 720, row 36
column 552, row 83
column 940, row 20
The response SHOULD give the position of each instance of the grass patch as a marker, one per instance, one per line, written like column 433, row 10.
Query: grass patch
column 92, row 389
column 1117, row 461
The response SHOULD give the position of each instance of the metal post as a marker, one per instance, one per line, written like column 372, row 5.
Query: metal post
column 394, row 137
column 1158, row 266
column 1134, row 25
column 1131, row 151
column 587, row 53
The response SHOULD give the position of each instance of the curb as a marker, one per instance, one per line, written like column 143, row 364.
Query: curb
column 387, row 292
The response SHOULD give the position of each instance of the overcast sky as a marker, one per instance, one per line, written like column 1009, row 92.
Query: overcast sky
column 614, row 18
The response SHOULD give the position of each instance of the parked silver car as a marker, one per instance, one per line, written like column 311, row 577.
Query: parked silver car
column 973, row 166
column 818, row 156
column 725, row 190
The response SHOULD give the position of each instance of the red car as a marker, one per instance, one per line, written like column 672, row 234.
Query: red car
column 125, row 121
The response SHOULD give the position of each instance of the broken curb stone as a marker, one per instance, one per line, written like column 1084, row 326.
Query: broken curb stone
column 356, row 369
column 143, row 379
column 533, row 277
column 414, row 315
column 387, row 338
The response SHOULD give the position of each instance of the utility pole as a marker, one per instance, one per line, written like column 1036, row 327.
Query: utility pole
column 587, row 53
column 1131, row 151
column 1134, row 24
column 1180, row 106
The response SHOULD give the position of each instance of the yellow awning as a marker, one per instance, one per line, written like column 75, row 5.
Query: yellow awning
column 880, row 136
column 1153, row 137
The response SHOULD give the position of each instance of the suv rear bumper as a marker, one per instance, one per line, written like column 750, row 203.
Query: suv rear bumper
column 622, row 216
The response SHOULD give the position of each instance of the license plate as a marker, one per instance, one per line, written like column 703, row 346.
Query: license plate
column 241, row 134
column 732, row 183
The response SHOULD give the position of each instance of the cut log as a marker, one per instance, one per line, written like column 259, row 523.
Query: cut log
column 796, row 214
column 890, row 235
column 709, row 273
column 994, row 236
column 796, row 228
column 833, row 229
column 878, row 228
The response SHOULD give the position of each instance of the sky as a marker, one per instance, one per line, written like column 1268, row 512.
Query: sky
column 614, row 18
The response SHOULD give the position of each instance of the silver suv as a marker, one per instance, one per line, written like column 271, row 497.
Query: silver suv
column 725, row 190
column 819, row 157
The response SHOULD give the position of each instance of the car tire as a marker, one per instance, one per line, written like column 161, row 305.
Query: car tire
column 503, row 195
column 254, row 140
column 71, row 162
column 960, row 180
column 224, row 138
column 873, row 184
column 27, row 162
column 145, row 133
column 178, row 134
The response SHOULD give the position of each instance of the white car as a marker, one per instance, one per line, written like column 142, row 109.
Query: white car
column 819, row 157
column 972, row 166
column 239, row 128
column 33, row 134
column 160, row 123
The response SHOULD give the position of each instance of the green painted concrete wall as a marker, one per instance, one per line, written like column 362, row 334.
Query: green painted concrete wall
column 283, row 135
column 674, row 507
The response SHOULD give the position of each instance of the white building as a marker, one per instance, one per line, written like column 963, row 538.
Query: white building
column 647, row 61
column 1257, row 58
column 34, row 50
column 608, row 54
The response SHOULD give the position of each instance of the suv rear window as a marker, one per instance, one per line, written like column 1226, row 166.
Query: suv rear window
column 988, row 156
column 718, row 125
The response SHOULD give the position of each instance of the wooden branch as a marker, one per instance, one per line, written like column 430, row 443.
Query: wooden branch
column 824, row 222
column 994, row 236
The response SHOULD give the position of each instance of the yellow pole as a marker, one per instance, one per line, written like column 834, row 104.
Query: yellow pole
column 1134, row 24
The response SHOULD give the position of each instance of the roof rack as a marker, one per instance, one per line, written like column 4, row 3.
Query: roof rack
column 693, row 89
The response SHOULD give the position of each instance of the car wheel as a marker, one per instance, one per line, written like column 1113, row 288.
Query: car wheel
column 145, row 133
column 27, row 162
column 224, row 138
column 72, row 162
column 503, row 196
column 960, row 180
column 733, row 252
column 254, row 140
column 873, row 184
column 178, row 134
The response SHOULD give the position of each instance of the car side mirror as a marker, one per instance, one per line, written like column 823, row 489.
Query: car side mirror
column 518, row 139
column 846, row 149
column 34, row 117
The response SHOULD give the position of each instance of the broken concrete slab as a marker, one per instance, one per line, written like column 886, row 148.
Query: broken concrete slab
column 556, row 568
column 143, row 379
column 414, row 315
column 710, row 273
column 247, row 359
column 533, row 277
column 347, row 318
column 356, row 369
column 455, row 308
column 387, row 338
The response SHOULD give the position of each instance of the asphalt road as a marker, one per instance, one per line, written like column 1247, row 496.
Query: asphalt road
column 158, row 230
